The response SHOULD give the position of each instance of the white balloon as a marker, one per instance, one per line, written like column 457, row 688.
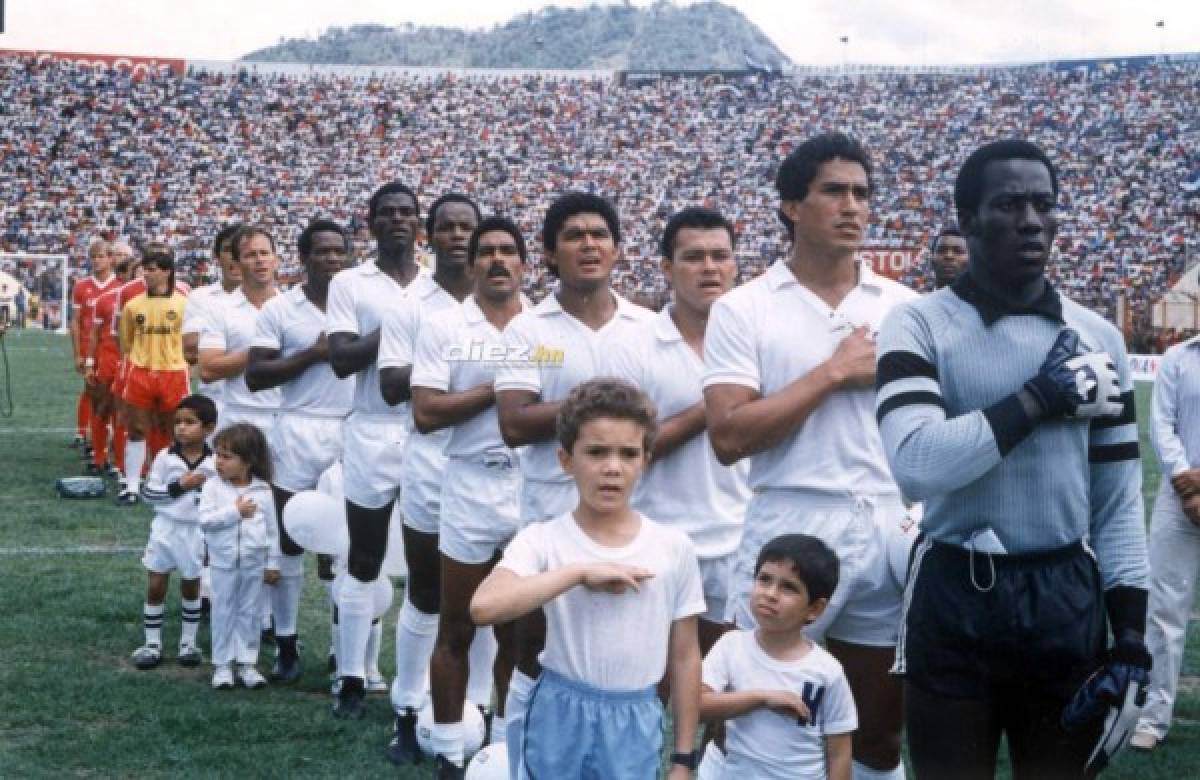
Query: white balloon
column 382, row 593
column 491, row 763
column 474, row 729
column 317, row 522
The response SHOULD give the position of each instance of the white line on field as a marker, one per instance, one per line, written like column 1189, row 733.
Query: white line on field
column 4, row 431
column 82, row 549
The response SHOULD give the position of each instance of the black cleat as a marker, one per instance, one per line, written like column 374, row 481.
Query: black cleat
column 445, row 769
column 287, row 667
column 351, row 700
column 92, row 470
column 403, row 749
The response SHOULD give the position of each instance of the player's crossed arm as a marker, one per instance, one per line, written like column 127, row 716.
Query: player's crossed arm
column 506, row 595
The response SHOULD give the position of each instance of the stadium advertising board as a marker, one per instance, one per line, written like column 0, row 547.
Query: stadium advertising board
column 136, row 65
column 891, row 263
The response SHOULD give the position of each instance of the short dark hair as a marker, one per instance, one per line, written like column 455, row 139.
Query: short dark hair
column 320, row 225
column 224, row 235
column 693, row 217
column 449, row 197
column 204, row 407
column 949, row 229
column 814, row 563
column 248, row 442
column 968, row 186
column 799, row 168
column 489, row 225
column 391, row 188
column 160, row 255
column 605, row 397
column 566, row 206
column 249, row 231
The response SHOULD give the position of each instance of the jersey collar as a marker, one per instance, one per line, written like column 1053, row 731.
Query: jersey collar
column 991, row 309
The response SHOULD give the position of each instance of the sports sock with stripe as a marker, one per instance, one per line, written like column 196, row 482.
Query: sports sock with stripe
column 191, row 621
column 152, row 621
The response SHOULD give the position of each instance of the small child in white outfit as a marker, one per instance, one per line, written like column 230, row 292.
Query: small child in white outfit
column 787, row 705
column 237, row 514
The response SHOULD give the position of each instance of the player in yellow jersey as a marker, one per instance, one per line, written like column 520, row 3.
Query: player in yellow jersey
column 152, row 341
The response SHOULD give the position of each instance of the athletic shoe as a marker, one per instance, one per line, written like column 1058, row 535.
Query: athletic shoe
column 112, row 472
column 376, row 683
column 223, row 678
column 350, row 704
column 147, row 656
column 190, row 655
column 1143, row 739
column 287, row 667
column 445, row 769
column 250, row 677
column 76, row 442
column 127, row 498
column 403, row 749
column 87, row 453
column 92, row 470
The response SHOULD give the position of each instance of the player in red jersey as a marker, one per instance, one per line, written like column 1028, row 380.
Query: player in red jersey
column 103, row 357
column 82, row 294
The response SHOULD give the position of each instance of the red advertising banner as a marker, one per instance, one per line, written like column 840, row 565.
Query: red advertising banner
column 136, row 65
column 891, row 263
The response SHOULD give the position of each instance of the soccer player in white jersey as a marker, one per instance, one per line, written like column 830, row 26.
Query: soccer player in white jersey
column 290, row 351
column 452, row 376
column 376, row 433
column 789, row 383
column 448, row 226
column 685, row 486
column 227, row 334
column 551, row 348
column 203, row 301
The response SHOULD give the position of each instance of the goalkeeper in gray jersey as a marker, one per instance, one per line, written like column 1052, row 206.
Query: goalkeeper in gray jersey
column 1008, row 409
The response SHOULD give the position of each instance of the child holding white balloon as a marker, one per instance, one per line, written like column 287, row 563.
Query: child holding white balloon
column 237, row 516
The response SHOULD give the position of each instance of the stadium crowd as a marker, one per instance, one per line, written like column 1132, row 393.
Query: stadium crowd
column 86, row 151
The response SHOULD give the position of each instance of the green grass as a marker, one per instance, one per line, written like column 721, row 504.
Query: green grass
column 72, row 704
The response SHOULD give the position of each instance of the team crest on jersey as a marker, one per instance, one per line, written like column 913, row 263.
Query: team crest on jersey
column 171, row 315
column 140, row 319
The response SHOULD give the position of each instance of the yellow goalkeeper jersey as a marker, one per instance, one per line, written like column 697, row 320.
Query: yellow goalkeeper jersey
column 152, row 332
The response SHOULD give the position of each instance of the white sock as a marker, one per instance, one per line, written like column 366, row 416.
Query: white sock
column 374, row 643
column 191, row 621
column 135, row 458
column 480, row 659
column 285, row 604
column 515, row 707
column 356, row 602
column 416, row 632
column 861, row 772
column 446, row 739
column 152, row 621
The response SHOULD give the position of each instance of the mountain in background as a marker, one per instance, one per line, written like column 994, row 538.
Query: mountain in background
column 663, row 36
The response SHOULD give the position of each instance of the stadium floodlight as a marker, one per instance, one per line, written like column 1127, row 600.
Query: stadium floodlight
column 52, row 292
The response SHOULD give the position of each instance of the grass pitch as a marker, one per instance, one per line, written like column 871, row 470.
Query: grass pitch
column 71, row 702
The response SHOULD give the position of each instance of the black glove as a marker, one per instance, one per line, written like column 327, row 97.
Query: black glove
column 1074, row 384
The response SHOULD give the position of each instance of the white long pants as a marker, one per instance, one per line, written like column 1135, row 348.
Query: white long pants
column 1174, row 567
column 235, row 616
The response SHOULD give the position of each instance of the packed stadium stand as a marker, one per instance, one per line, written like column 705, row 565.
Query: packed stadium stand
column 175, row 152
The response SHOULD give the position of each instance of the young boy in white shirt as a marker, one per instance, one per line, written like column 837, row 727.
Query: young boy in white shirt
column 621, row 595
column 788, row 710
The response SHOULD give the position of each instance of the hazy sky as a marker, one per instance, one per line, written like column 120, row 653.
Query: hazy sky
column 808, row 31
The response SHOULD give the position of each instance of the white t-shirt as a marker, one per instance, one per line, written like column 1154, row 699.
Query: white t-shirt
column 688, row 489
column 290, row 323
column 231, row 329
column 558, row 353
column 199, row 309
column 458, row 349
column 615, row 642
column 766, row 745
column 358, row 299
column 397, row 348
column 772, row 331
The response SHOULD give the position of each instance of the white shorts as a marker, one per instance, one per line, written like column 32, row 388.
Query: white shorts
column 716, row 575
column 542, row 501
column 866, row 532
column 421, row 485
column 373, row 458
column 480, row 509
column 174, row 547
column 231, row 413
column 302, row 447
